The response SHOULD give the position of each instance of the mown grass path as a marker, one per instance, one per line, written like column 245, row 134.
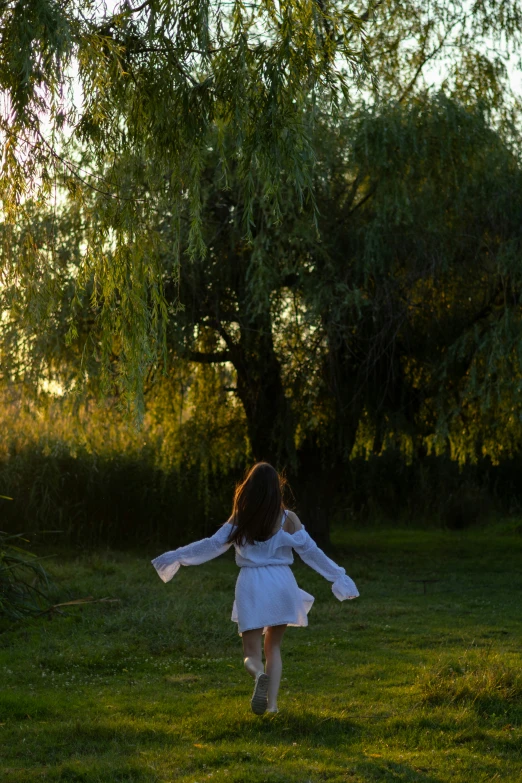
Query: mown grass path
column 396, row 686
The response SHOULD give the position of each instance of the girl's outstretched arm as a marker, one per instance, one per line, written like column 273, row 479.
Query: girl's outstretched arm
column 167, row 565
column 343, row 586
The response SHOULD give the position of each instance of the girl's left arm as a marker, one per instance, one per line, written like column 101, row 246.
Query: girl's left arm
column 167, row 565
column 343, row 587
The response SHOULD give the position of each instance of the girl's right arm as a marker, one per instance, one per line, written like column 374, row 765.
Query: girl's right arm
column 167, row 565
column 343, row 586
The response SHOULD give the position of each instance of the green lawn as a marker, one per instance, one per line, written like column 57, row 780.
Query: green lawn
column 395, row 686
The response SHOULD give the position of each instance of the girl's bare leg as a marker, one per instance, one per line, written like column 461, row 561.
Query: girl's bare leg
column 252, row 651
column 274, row 663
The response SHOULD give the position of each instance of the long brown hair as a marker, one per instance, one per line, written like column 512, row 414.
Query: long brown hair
column 258, row 503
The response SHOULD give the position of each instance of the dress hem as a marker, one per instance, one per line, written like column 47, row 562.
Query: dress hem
column 271, row 625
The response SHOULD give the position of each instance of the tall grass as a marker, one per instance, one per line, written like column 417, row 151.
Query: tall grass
column 119, row 500
column 91, row 474
column 483, row 681
column 99, row 479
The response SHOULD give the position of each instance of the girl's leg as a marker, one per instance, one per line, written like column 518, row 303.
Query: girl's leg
column 254, row 666
column 252, row 651
column 274, row 664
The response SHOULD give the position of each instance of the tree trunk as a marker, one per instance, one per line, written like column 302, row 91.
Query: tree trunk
column 314, row 490
column 322, row 469
column 260, row 388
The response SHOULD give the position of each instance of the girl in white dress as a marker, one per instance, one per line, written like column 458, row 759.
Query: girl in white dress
column 267, row 598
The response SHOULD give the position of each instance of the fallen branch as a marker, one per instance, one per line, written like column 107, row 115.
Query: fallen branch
column 55, row 608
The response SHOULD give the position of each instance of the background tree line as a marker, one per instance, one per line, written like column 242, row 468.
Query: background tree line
column 352, row 316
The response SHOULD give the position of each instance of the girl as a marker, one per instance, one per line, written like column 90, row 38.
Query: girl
column 268, row 599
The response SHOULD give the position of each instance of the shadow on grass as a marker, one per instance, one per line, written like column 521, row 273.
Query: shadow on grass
column 78, row 772
column 289, row 728
column 99, row 752
column 392, row 771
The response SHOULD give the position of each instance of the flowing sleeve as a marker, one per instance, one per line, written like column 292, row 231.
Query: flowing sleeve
column 343, row 587
column 167, row 565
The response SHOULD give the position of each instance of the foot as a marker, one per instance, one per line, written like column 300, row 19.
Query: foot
column 259, row 699
column 271, row 710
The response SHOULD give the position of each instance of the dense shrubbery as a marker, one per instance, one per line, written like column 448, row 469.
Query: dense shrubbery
column 118, row 500
column 97, row 478
column 100, row 480
column 127, row 500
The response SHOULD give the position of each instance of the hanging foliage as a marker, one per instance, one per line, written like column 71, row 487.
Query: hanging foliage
column 122, row 102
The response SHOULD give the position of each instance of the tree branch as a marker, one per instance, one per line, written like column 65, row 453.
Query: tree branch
column 425, row 59
column 370, row 193
column 138, row 8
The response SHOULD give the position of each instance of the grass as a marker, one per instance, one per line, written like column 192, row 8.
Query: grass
column 400, row 685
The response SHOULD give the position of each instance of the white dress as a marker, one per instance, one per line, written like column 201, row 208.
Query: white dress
column 266, row 591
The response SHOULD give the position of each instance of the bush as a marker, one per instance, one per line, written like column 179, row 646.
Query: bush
column 431, row 489
column 24, row 583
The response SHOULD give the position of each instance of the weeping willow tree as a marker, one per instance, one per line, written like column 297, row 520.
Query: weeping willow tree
column 417, row 282
column 202, row 185
column 112, row 113
column 397, row 325
column 124, row 101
